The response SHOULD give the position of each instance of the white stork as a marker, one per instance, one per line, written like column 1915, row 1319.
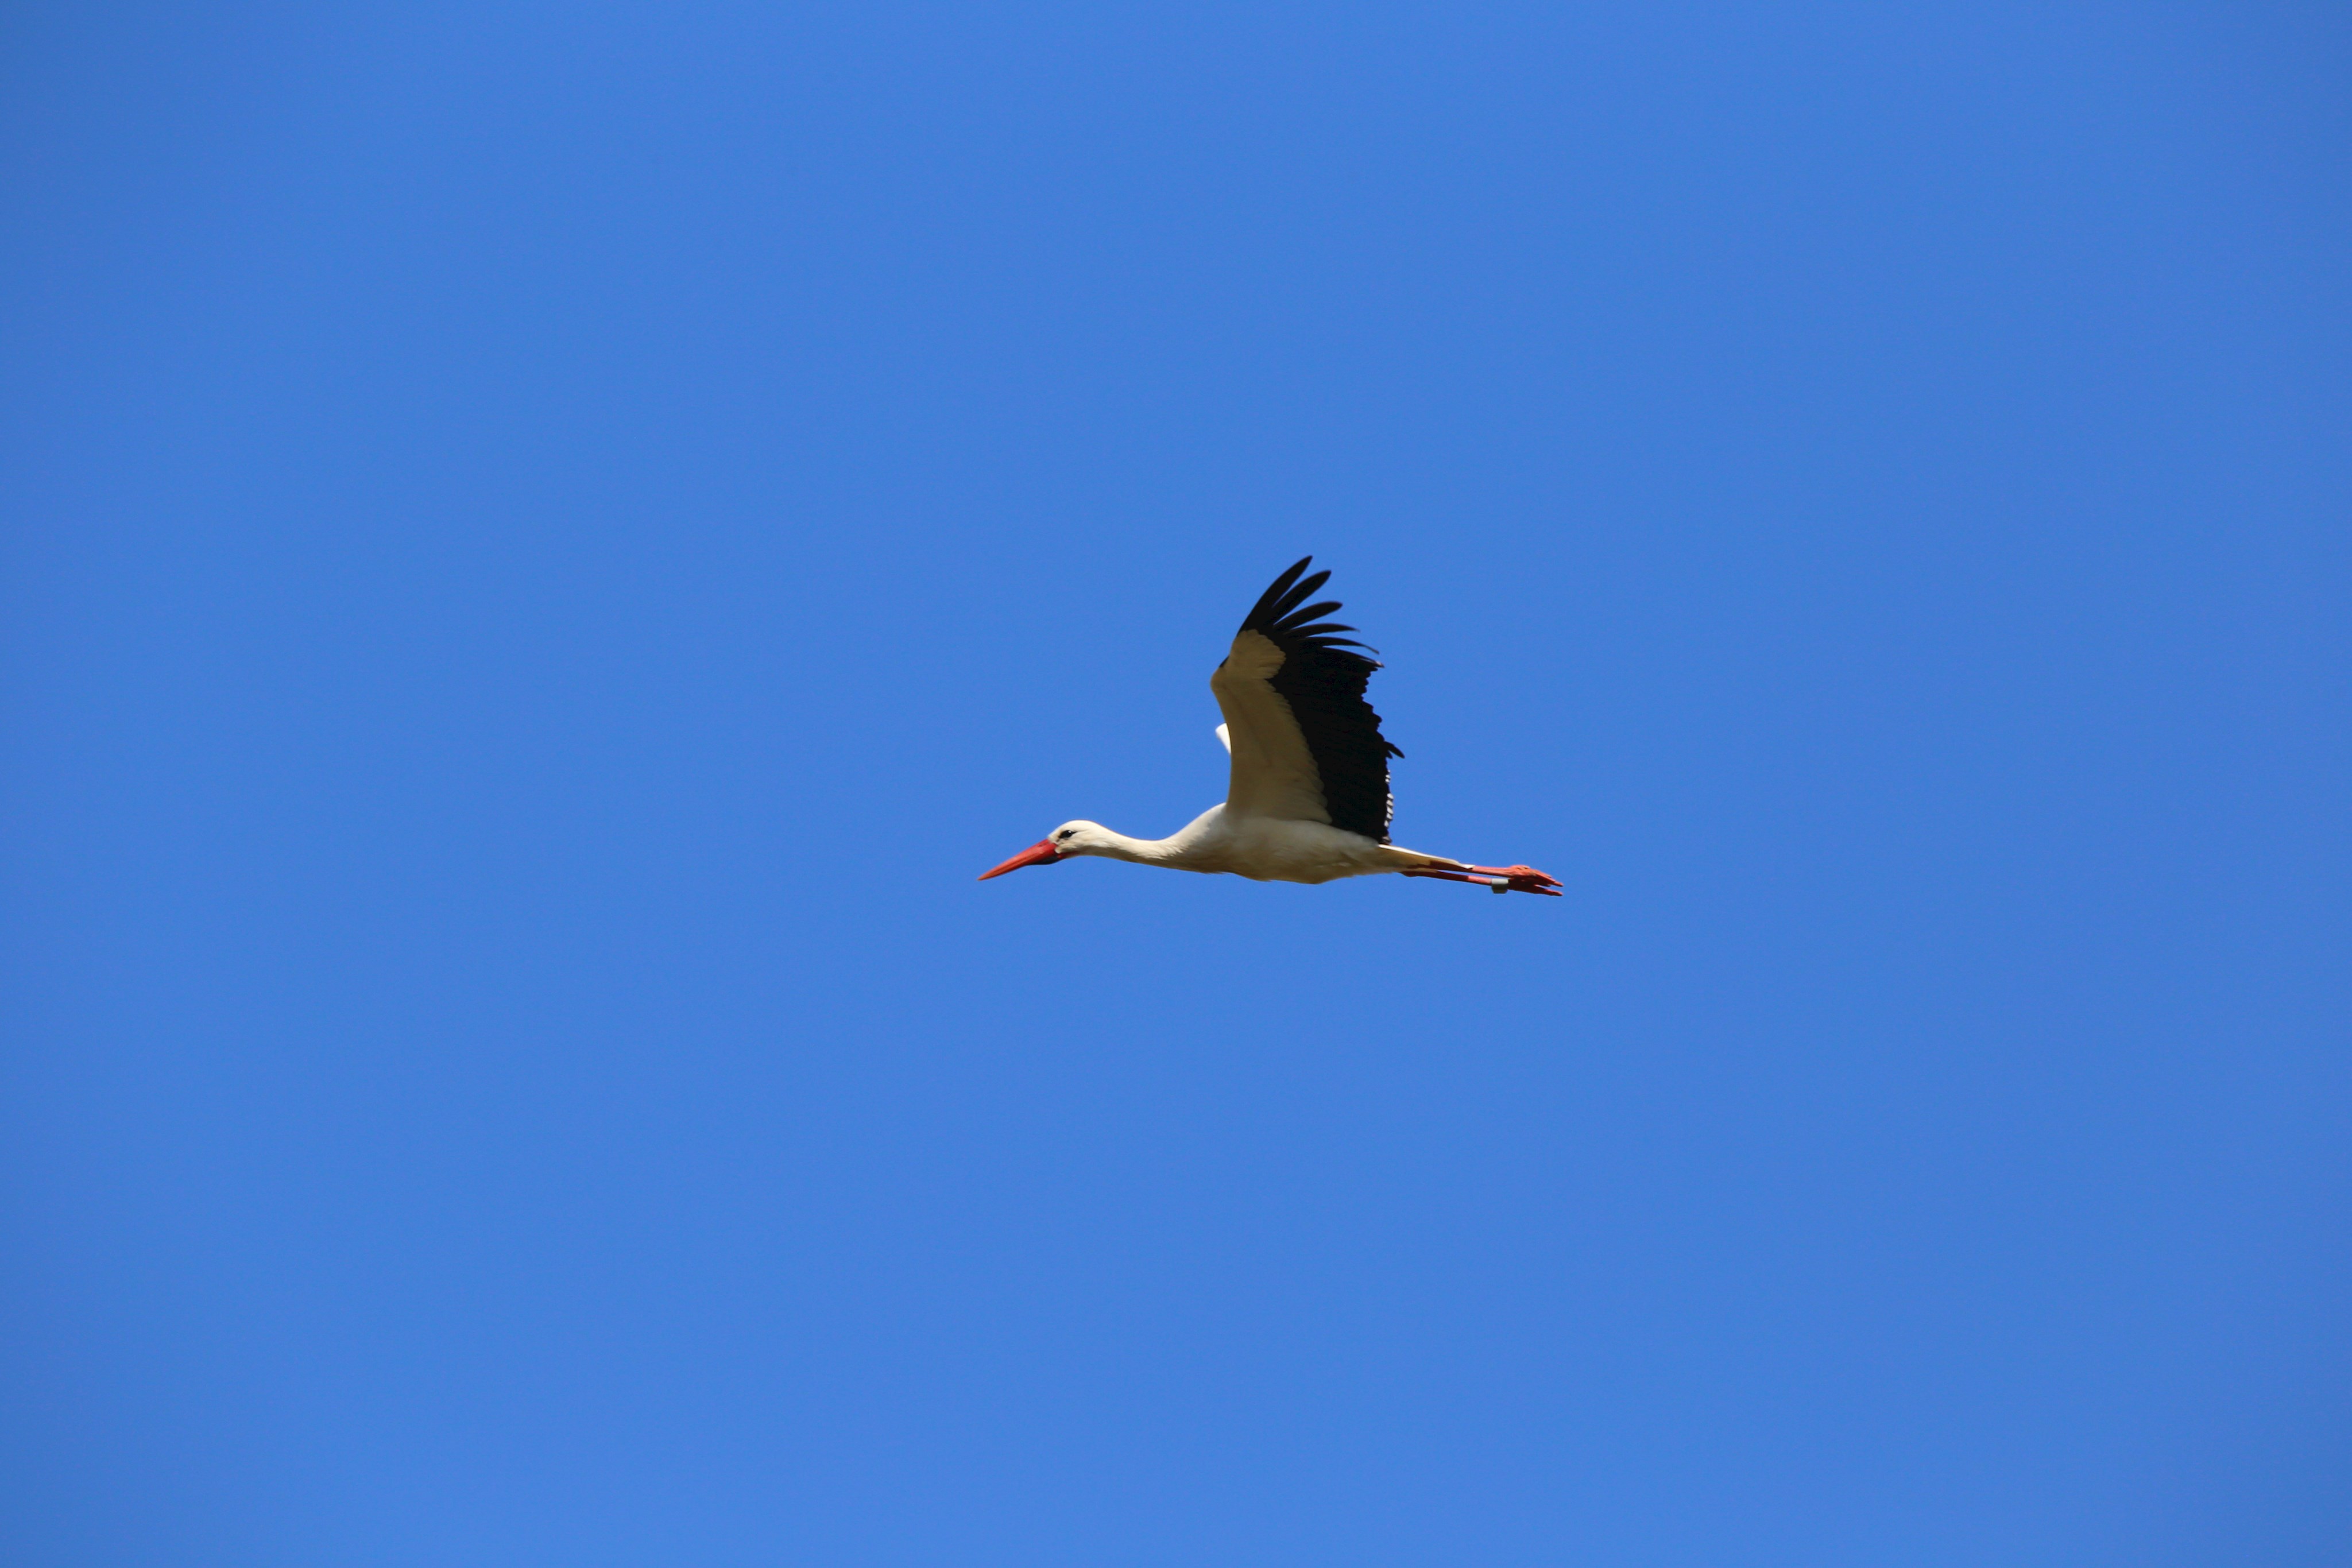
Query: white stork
column 1308, row 797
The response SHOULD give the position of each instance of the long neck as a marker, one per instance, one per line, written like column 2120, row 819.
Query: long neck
column 1149, row 851
column 1170, row 851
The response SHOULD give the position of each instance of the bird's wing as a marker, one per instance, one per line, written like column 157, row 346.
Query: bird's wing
column 1226, row 739
column 1306, row 745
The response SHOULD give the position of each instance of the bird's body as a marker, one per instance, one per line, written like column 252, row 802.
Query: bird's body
column 1263, row 848
column 1307, row 798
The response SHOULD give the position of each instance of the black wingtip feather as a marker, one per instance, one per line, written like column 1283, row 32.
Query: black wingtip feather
column 1265, row 602
column 1301, row 592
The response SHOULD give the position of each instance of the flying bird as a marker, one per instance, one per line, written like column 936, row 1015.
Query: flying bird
column 1309, row 799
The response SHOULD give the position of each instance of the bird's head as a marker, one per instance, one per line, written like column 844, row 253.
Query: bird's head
column 1078, row 838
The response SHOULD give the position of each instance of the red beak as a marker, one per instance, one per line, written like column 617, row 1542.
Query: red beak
column 1043, row 851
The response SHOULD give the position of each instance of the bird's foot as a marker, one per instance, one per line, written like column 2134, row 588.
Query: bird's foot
column 1523, row 878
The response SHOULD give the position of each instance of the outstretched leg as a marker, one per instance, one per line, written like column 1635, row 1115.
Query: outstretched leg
column 1501, row 878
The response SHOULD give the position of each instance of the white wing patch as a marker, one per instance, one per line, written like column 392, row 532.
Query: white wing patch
column 1226, row 739
column 1272, row 773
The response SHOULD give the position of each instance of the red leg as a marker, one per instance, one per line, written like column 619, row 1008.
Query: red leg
column 1502, row 879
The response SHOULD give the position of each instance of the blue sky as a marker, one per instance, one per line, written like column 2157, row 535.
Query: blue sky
column 553, row 543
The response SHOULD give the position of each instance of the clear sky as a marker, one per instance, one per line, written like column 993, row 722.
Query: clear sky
column 551, row 543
